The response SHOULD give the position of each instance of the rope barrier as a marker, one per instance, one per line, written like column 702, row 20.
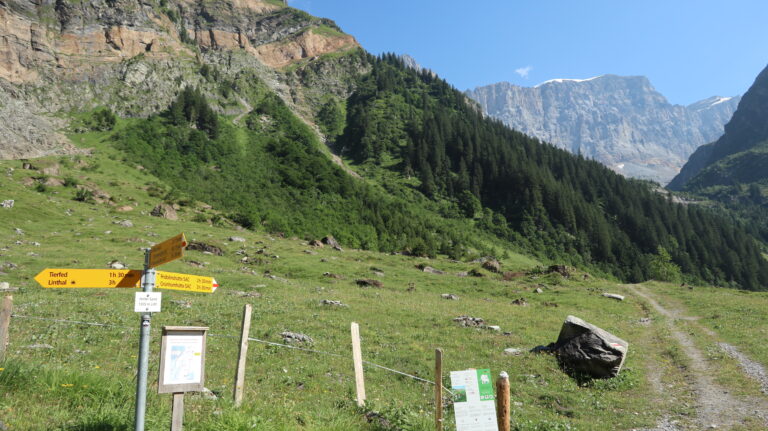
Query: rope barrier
column 271, row 343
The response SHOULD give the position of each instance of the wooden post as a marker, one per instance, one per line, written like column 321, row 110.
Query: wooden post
column 502, row 401
column 439, row 389
column 5, row 322
column 177, row 420
column 357, row 358
column 240, row 373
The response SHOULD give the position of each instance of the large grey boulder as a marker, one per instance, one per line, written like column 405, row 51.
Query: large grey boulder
column 584, row 348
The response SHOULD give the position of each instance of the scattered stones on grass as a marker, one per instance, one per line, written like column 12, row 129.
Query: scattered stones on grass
column 236, row 239
column 492, row 265
column 470, row 321
column 494, row 328
column 316, row 243
column 116, row 264
column 332, row 303
column 182, row 303
column 243, row 294
column 124, row 223
column 369, row 282
column 205, row 248
column 124, row 209
column 521, row 302
column 449, row 296
column 35, row 244
column 538, row 290
column 645, row 321
column 8, row 203
column 378, row 420
column 614, row 296
column 512, row 351
column 165, row 211
column 295, row 337
column 6, row 287
column 208, row 394
column 462, row 274
column 18, row 231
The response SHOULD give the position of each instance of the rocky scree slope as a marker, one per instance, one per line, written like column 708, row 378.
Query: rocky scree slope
column 135, row 56
column 621, row 121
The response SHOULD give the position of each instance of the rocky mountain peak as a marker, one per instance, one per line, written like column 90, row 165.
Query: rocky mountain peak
column 621, row 121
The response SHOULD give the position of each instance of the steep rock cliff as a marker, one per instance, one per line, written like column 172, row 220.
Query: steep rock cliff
column 620, row 121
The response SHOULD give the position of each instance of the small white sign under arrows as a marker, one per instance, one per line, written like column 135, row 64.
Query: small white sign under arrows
column 147, row 302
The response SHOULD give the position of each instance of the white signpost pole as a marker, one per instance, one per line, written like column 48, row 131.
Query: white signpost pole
column 147, row 284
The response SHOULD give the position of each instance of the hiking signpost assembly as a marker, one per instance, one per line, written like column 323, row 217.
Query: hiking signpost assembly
column 146, row 302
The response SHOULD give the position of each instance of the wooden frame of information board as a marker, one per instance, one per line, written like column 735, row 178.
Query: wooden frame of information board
column 181, row 347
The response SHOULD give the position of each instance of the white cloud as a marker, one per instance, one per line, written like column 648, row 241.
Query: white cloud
column 524, row 71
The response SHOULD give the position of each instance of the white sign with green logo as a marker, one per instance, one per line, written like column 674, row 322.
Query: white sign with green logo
column 473, row 400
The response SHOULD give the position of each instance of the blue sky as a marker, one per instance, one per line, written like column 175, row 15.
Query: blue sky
column 689, row 49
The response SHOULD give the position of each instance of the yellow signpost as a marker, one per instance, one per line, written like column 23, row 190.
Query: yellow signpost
column 74, row 278
column 187, row 282
column 168, row 250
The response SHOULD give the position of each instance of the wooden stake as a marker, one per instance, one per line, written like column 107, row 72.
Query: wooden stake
column 242, row 356
column 502, row 401
column 357, row 358
column 5, row 322
column 439, row 389
column 177, row 420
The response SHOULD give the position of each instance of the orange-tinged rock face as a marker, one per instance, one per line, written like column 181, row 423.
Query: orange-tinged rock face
column 307, row 45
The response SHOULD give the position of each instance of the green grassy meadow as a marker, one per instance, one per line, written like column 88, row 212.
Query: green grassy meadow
column 84, row 378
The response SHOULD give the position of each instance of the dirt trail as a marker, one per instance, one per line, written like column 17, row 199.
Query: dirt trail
column 716, row 407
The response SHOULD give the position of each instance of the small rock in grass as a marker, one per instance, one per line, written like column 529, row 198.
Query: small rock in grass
column 18, row 231
column 469, row 321
column 538, row 290
column 124, row 223
column 332, row 303
column 613, row 296
column 242, row 294
column 4, row 285
column 181, row 303
column 449, row 296
column 369, row 282
column 40, row 346
column 512, row 351
column 494, row 328
column 116, row 264
column 276, row 278
column 492, row 265
column 236, row 239
column 521, row 302
column 295, row 337
column 310, row 252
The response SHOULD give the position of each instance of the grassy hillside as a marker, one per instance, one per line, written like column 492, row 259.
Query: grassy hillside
column 73, row 376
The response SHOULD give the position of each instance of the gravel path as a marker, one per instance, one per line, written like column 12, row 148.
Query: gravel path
column 716, row 407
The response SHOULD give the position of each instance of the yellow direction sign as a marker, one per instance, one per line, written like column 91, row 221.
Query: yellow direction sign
column 168, row 250
column 74, row 278
column 191, row 283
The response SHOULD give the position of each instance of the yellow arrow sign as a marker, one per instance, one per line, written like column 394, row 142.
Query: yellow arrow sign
column 168, row 250
column 191, row 283
column 74, row 278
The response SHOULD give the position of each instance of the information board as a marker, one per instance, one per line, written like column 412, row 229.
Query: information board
column 473, row 400
column 182, row 359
